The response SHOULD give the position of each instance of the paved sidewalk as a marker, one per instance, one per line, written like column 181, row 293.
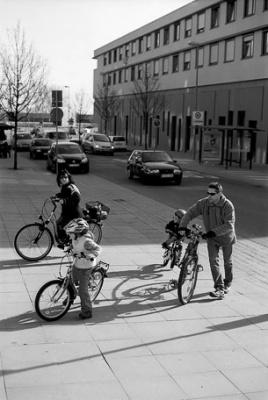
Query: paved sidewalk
column 141, row 343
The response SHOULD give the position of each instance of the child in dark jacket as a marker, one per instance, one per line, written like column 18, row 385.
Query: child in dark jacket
column 172, row 228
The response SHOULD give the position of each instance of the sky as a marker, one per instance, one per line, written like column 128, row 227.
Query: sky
column 65, row 33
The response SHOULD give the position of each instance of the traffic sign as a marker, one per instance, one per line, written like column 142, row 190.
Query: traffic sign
column 198, row 118
column 56, row 114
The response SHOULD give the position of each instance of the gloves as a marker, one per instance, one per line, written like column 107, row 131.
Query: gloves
column 209, row 235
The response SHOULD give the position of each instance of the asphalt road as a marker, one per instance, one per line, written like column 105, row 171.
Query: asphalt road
column 250, row 201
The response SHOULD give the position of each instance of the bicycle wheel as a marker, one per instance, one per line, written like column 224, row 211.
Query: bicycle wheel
column 33, row 242
column 52, row 300
column 187, row 280
column 96, row 230
column 95, row 283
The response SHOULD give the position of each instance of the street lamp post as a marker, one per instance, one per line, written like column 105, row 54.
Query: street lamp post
column 196, row 46
column 68, row 108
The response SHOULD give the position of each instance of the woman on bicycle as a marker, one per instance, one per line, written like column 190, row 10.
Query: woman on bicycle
column 85, row 251
column 70, row 209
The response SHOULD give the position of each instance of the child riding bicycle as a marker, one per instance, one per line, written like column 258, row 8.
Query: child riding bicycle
column 85, row 252
column 172, row 228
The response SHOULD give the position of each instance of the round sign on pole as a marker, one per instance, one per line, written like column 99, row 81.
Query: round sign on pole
column 157, row 123
column 56, row 114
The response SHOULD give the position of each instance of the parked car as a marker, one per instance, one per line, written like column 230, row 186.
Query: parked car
column 39, row 147
column 69, row 156
column 153, row 165
column 24, row 140
column 53, row 136
column 119, row 142
column 97, row 143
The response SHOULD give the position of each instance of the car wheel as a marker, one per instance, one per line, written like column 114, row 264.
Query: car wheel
column 131, row 175
column 178, row 180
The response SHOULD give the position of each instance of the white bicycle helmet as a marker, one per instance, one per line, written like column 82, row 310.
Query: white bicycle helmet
column 77, row 226
column 180, row 213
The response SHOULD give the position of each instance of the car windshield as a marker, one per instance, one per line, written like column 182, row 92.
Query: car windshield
column 22, row 136
column 156, row 157
column 42, row 142
column 69, row 149
column 100, row 138
column 52, row 135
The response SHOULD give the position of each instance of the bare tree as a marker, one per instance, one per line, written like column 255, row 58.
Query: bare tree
column 106, row 105
column 82, row 105
column 22, row 78
column 148, row 100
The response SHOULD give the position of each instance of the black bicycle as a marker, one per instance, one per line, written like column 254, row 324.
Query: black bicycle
column 189, row 267
column 34, row 241
column 54, row 298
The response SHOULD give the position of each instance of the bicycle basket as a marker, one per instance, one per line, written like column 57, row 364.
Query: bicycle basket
column 97, row 210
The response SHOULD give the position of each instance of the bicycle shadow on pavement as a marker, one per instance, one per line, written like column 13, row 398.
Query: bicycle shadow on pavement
column 20, row 263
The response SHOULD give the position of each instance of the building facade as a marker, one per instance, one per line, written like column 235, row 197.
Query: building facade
column 209, row 56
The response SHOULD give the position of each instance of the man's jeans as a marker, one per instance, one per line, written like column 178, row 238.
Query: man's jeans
column 213, row 254
column 82, row 275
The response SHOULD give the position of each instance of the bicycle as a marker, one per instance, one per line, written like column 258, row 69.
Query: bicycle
column 54, row 298
column 173, row 253
column 34, row 241
column 189, row 267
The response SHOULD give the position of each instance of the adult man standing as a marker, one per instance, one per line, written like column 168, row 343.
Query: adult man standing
column 219, row 219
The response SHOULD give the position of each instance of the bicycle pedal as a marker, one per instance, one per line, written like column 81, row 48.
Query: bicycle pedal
column 173, row 284
column 200, row 268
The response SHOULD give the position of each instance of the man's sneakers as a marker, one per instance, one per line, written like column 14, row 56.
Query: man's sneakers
column 217, row 294
column 85, row 315
column 226, row 289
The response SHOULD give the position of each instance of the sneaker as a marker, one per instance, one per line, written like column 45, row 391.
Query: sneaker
column 85, row 315
column 226, row 289
column 217, row 294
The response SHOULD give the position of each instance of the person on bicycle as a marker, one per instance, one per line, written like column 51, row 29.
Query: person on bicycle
column 172, row 228
column 85, row 252
column 219, row 220
column 70, row 208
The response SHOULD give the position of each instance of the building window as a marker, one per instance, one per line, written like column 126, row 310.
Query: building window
column 215, row 17
column 165, row 65
column 105, row 59
column 247, row 46
column 188, row 27
column 114, row 78
column 186, row 60
column 140, row 71
column 133, row 48
column 156, row 67
column 109, row 57
column 200, row 57
column 156, row 39
column 214, row 53
column 109, row 79
column 120, row 77
column 229, row 50
column 264, row 43
column 121, row 53
column 148, row 42
column 175, row 63
column 147, row 69
column 231, row 11
column 126, row 50
column 249, row 7
column 132, row 74
column 201, row 22
column 265, row 5
column 176, row 31
column 126, row 74
column 140, row 45
column 241, row 116
column 115, row 55
column 166, row 35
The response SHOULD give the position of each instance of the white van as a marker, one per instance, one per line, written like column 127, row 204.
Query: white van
column 97, row 143
column 119, row 142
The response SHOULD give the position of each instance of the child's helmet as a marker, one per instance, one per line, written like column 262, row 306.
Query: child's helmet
column 180, row 213
column 77, row 226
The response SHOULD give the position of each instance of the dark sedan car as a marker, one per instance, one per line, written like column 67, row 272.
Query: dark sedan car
column 153, row 165
column 39, row 147
column 69, row 156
